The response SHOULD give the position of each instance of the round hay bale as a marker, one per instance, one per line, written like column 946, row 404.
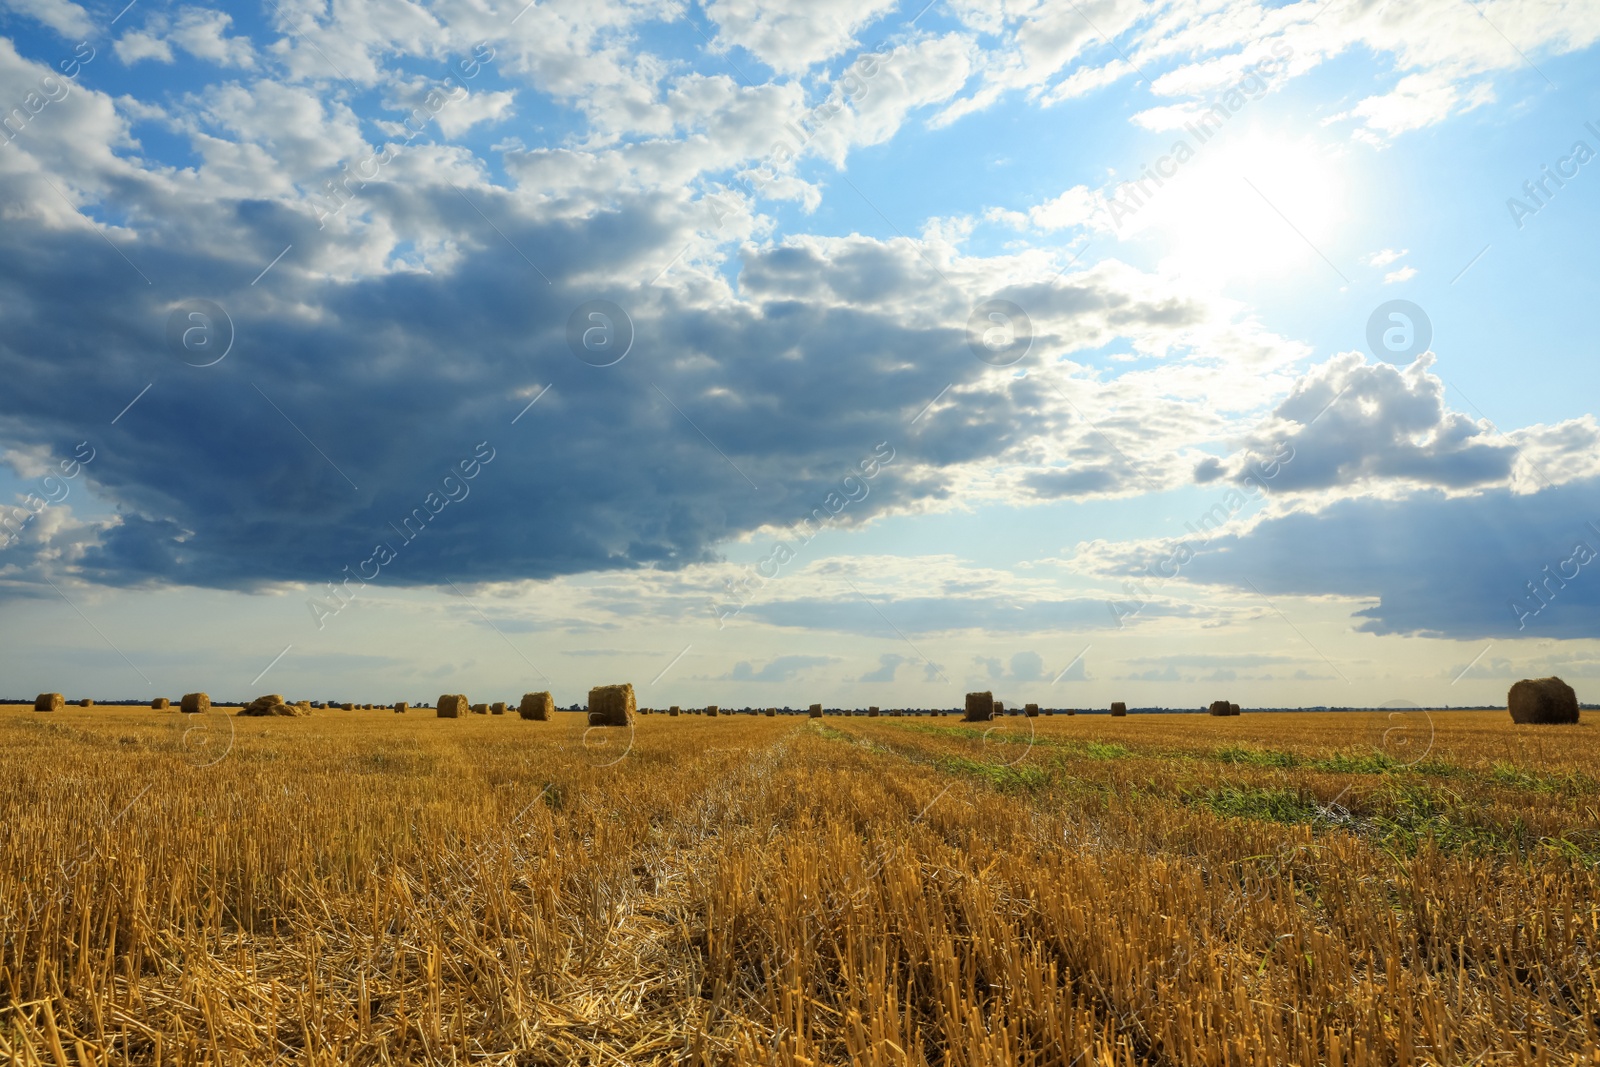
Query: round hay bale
column 194, row 703
column 1542, row 700
column 712, row 710
column 872, row 713
column 86, row 702
column 815, row 711
column 451, row 706
column 274, row 704
column 1031, row 710
column 537, row 706
column 401, row 708
column 674, row 711
column 1119, row 709
column 160, row 704
column 1233, row 709
column 480, row 709
column 980, row 707
column 1219, row 707
column 49, row 702
column 612, row 705
column 999, row 708
column 497, row 708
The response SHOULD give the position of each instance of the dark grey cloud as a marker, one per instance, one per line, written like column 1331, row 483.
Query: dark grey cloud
column 344, row 404
column 1457, row 567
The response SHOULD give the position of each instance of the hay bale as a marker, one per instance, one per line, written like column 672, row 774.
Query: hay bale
column 999, row 708
column 160, row 704
column 712, row 710
column 872, row 713
column 451, row 706
column 274, row 704
column 1233, row 709
column 347, row 706
column 50, row 702
column 1119, row 709
column 1070, row 711
column 980, row 707
column 497, row 708
column 1031, row 710
column 194, row 703
column 401, row 707
column 612, row 705
column 1542, row 700
column 673, row 711
column 86, row 702
column 536, row 706
column 480, row 709
column 772, row 713
column 815, row 711
column 1220, row 707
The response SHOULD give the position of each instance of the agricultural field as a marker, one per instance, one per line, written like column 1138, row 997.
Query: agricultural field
column 363, row 887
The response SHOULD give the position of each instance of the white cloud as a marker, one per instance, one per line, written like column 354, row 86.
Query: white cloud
column 1384, row 257
column 63, row 16
column 1404, row 274
column 138, row 45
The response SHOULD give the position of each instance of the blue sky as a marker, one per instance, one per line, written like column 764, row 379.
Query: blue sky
column 809, row 476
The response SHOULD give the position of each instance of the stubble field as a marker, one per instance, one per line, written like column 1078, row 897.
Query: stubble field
column 365, row 887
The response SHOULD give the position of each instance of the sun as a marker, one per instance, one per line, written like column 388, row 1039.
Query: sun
column 1236, row 207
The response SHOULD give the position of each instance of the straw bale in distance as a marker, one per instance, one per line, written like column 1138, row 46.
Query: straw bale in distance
column 980, row 707
column 712, row 710
column 999, row 708
column 86, row 702
column 1220, row 707
column 497, row 708
column 612, row 705
column 160, row 704
column 674, row 710
column 480, row 709
column 193, row 703
column 815, row 711
column 872, row 713
column 451, row 706
column 1031, row 710
column 401, row 707
column 772, row 713
column 1233, row 709
column 50, row 702
column 1542, row 700
column 1119, row 709
column 537, row 706
column 274, row 704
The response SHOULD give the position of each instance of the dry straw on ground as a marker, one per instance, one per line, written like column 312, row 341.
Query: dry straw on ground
column 765, row 892
column 1542, row 700
column 612, row 705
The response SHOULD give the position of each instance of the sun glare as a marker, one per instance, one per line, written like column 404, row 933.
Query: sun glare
column 1244, row 207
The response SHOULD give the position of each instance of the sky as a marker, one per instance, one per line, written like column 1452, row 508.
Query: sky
column 854, row 352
